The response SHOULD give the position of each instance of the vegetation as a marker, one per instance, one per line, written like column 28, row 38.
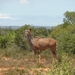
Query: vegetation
column 16, row 52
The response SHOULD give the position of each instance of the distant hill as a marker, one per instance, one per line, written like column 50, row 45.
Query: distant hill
column 16, row 27
column 11, row 27
column 47, row 27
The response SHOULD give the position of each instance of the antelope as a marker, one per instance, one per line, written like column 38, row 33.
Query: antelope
column 38, row 44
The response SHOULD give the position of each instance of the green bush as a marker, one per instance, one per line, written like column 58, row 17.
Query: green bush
column 64, row 67
column 3, row 41
column 65, row 38
column 66, row 42
column 20, row 39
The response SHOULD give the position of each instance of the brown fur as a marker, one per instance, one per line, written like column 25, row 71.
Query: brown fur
column 38, row 44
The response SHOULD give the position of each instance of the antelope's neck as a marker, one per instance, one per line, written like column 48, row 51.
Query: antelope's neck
column 30, row 40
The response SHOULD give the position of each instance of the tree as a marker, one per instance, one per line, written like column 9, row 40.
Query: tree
column 20, row 38
column 69, row 18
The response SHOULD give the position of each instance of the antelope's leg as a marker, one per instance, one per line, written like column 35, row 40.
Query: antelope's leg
column 39, row 56
column 54, row 55
column 35, row 55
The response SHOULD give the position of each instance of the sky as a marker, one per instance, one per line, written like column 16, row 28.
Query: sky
column 34, row 12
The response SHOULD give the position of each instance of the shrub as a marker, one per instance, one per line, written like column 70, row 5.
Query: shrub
column 3, row 41
column 66, row 42
column 63, row 68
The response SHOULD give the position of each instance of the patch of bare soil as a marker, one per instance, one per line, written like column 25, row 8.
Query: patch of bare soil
column 7, row 64
column 1, row 73
column 2, row 70
column 31, row 71
column 12, row 68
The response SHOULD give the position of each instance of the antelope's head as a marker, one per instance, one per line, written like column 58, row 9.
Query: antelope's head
column 27, row 32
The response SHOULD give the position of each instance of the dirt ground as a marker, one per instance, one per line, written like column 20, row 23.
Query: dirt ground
column 7, row 64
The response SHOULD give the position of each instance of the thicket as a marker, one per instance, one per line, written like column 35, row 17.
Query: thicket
column 63, row 33
column 65, row 38
column 6, row 37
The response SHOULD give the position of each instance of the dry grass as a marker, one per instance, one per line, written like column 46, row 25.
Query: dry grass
column 22, row 63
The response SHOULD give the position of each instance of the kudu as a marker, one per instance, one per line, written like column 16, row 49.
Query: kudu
column 38, row 44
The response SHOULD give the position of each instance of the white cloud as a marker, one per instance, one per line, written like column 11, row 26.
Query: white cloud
column 25, row 2
column 5, row 16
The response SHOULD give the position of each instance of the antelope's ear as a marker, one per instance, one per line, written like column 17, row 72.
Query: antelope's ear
column 30, row 29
